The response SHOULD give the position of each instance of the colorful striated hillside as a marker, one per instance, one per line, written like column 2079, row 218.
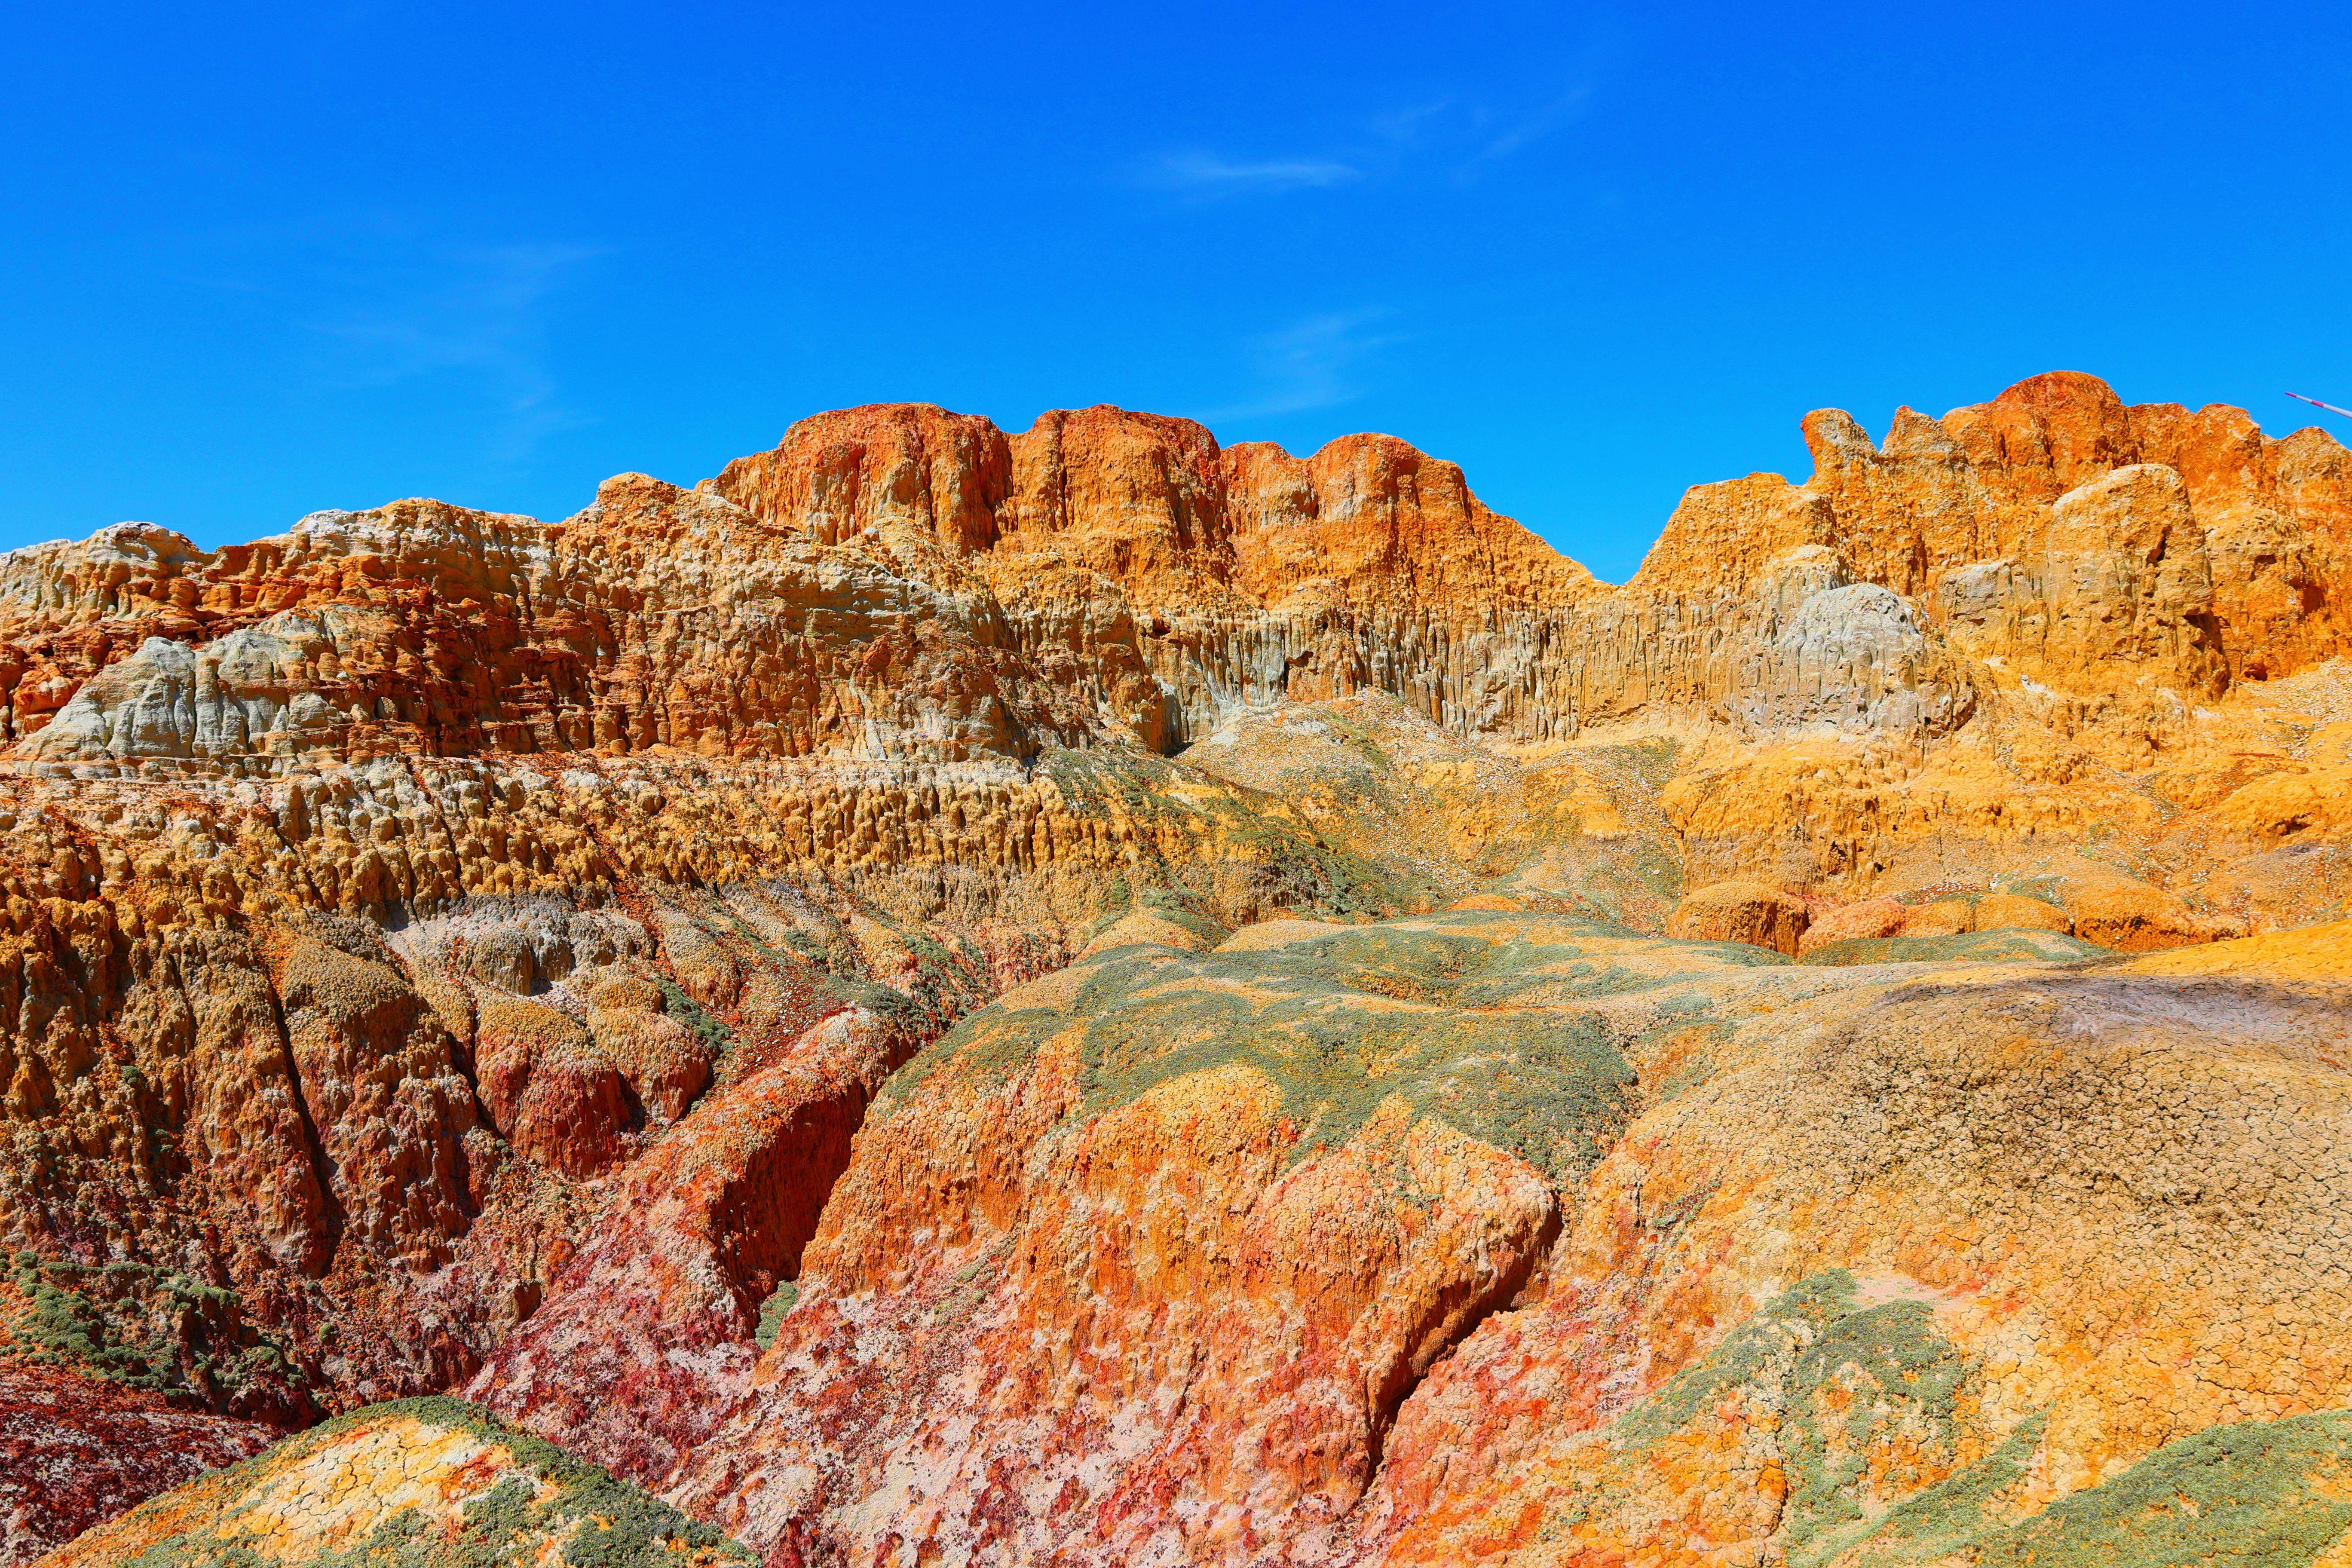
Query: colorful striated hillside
column 1089, row 997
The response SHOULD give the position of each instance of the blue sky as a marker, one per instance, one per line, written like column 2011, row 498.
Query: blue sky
column 273, row 258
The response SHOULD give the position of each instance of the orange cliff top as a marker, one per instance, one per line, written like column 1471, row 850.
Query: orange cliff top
column 1154, row 504
column 1942, row 493
column 1182, row 525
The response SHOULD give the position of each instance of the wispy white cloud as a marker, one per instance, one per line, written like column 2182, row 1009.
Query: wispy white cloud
column 1407, row 125
column 1456, row 134
column 373, row 298
column 1533, row 127
column 1209, row 174
column 1318, row 361
column 406, row 310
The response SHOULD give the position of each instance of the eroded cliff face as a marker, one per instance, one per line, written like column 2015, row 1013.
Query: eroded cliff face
column 451, row 951
column 898, row 582
column 2096, row 547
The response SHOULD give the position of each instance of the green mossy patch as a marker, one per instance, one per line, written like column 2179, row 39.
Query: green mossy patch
column 780, row 1301
column 604, row 1521
column 944, row 988
column 1834, row 1377
column 714, row 1035
column 160, row 1330
column 2256, row 1494
column 1645, row 873
column 1338, row 1024
column 2012, row 946
column 1300, row 872
column 2267, row 1494
column 1180, row 906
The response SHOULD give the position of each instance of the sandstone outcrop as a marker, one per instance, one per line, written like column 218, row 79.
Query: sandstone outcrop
column 2009, row 911
column 2092, row 543
column 1863, row 921
column 1248, row 1199
column 891, row 998
column 1882, row 919
column 429, row 1481
column 1741, row 911
column 1939, row 1351
column 2130, row 916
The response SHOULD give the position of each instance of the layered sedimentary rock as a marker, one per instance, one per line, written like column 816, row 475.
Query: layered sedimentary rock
column 2057, row 526
column 447, row 951
column 900, row 581
column 1256, row 1195
column 430, row 1481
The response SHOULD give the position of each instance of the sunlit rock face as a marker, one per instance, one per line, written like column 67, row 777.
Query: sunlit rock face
column 1088, row 995
column 432, row 1482
column 1494, row 1234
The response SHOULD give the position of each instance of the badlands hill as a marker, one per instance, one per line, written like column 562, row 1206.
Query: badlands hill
column 1089, row 996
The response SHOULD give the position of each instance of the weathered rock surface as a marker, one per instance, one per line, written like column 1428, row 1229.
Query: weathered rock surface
column 1741, row 911
column 1505, row 1234
column 446, row 951
column 432, row 1482
column 1789, row 1320
column 75, row 1451
column 1240, row 1202
column 1863, row 920
column 2095, row 545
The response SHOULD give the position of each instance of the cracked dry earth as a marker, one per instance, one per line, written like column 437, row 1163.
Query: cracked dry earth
column 1085, row 997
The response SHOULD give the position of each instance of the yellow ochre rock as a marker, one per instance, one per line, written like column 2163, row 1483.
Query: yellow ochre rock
column 1741, row 911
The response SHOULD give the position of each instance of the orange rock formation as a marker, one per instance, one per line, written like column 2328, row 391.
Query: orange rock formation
column 447, row 952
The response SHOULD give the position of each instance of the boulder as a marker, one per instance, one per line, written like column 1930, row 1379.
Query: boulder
column 1741, row 911
column 2009, row 911
column 1945, row 916
column 1864, row 921
column 2131, row 916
